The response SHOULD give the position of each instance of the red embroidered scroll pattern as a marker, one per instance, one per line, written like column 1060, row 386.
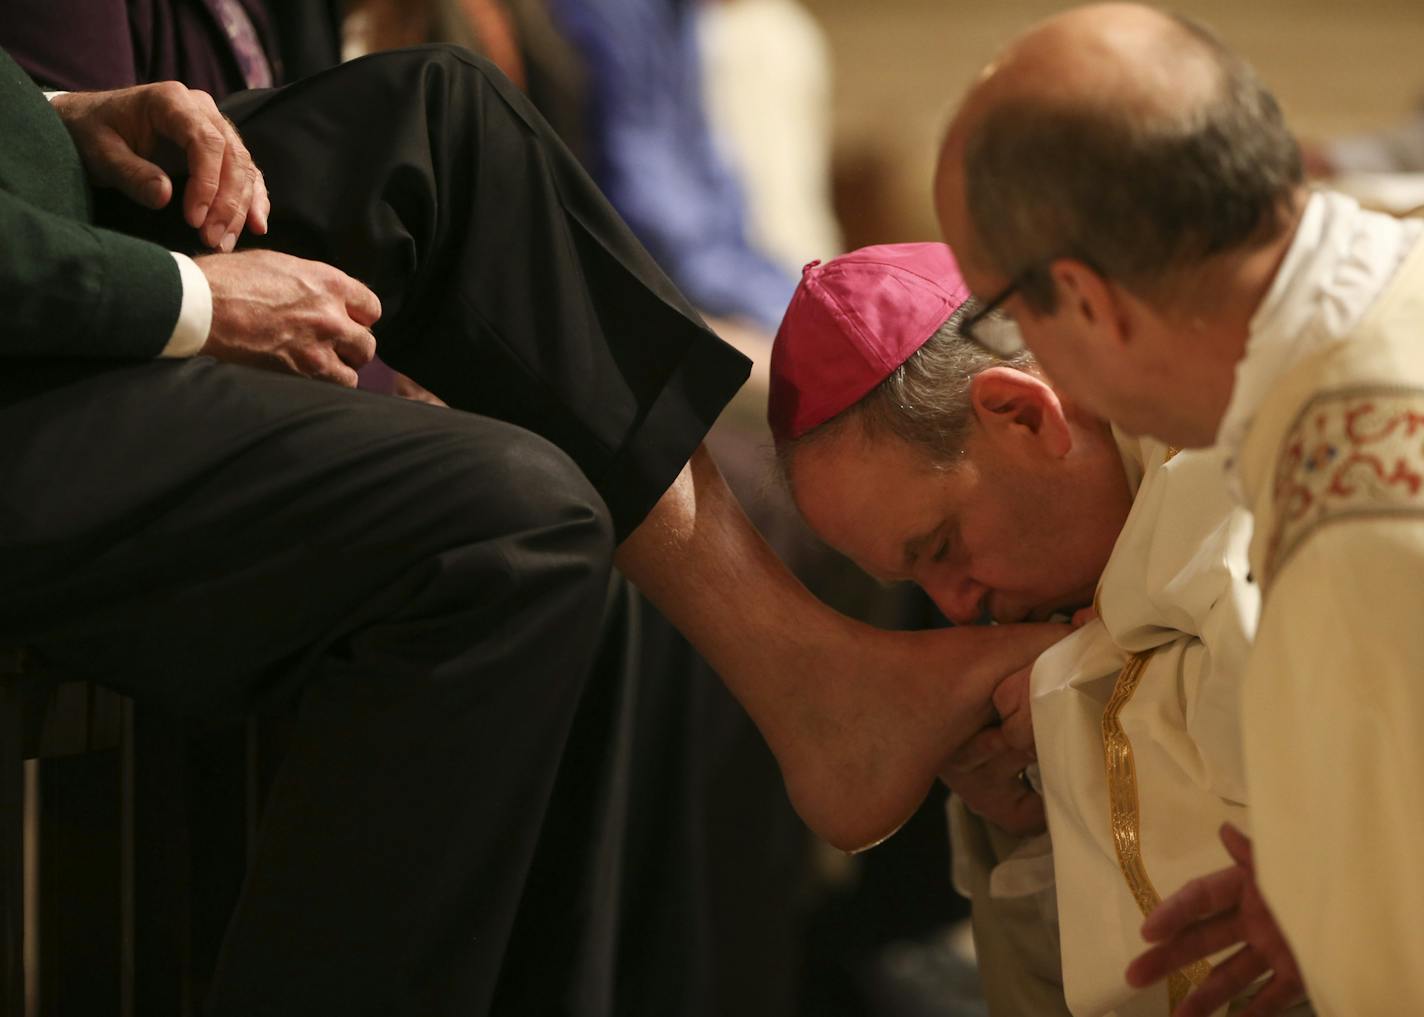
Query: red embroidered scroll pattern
column 1359, row 452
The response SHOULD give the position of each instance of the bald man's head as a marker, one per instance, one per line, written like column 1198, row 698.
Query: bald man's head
column 1129, row 139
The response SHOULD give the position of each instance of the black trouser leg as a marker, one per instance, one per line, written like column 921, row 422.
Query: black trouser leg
column 431, row 581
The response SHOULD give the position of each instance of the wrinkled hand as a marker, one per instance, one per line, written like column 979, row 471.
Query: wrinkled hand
column 131, row 139
column 985, row 774
column 286, row 314
column 1011, row 702
column 1208, row 915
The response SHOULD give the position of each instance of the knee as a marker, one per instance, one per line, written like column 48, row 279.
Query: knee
column 553, row 493
column 447, row 62
column 527, row 488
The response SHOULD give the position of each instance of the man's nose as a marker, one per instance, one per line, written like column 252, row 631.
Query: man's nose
column 960, row 599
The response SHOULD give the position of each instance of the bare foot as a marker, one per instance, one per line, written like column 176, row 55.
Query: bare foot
column 862, row 740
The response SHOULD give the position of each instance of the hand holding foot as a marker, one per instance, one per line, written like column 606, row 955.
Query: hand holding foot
column 860, row 719
column 865, row 728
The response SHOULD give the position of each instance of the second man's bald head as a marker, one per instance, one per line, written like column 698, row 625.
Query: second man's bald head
column 1120, row 136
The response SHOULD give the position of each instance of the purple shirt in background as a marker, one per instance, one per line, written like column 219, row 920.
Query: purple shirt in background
column 99, row 44
column 653, row 154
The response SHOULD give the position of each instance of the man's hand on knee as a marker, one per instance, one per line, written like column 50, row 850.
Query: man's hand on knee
column 274, row 311
column 131, row 139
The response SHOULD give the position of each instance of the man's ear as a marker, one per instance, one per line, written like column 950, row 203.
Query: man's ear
column 1088, row 302
column 1019, row 406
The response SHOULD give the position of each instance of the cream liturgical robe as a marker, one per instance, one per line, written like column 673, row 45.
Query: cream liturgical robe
column 1136, row 719
column 1333, row 470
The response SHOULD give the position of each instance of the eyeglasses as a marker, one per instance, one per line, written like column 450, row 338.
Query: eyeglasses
column 991, row 328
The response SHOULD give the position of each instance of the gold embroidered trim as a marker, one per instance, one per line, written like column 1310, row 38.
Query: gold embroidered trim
column 1124, row 810
column 1351, row 454
column 1125, row 814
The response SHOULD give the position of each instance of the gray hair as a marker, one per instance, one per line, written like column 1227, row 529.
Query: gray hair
column 925, row 401
column 1138, row 196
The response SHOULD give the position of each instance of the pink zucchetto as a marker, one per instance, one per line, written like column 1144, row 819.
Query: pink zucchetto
column 850, row 323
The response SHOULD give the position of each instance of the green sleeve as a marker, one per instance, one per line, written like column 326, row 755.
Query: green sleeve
column 69, row 289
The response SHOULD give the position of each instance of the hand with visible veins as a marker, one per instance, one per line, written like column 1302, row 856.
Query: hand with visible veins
column 286, row 314
column 1208, row 915
column 985, row 773
column 131, row 139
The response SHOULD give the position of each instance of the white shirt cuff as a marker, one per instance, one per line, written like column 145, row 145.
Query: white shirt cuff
column 195, row 317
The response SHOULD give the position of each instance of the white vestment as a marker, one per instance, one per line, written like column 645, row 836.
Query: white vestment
column 1175, row 598
column 1152, row 685
column 1327, row 430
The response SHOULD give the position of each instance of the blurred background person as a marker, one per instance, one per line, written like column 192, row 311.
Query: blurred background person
column 1398, row 148
column 652, row 152
column 219, row 46
column 767, row 78
column 1382, row 168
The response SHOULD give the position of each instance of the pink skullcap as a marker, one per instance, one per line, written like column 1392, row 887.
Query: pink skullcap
column 850, row 323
